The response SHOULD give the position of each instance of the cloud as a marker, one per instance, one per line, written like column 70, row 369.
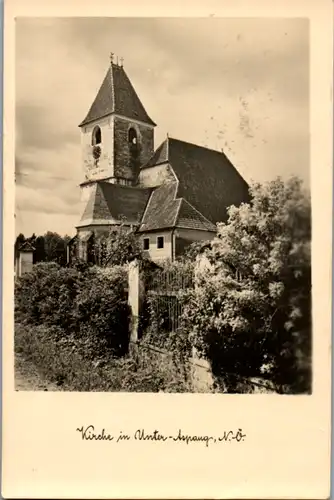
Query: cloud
column 237, row 84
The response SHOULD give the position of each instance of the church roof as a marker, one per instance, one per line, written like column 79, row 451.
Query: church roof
column 117, row 95
column 164, row 211
column 162, row 208
column 161, row 155
column 112, row 202
column 206, row 184
column 206, row 178
column 190, row 218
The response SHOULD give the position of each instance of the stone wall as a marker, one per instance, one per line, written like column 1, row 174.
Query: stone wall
column 155, row 176
column 126, row 162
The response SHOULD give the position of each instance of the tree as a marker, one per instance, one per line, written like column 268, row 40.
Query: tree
column 193, row 250
column 55, row 247
column 251, row 313
column 39, row 254
column 20, row 239
column 117, row 247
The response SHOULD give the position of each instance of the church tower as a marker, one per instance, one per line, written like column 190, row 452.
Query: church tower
column 117, row 135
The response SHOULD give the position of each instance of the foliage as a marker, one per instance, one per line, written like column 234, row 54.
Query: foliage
column 55, row 247
column 117, row 247
column 193, row 250
column 166, row 289
column 47, row 293
column 101, row 308
column 251, row 310
column 73, row 365
column 50, row 247
column 169, row 275
column 20, row 239
column 83, row 301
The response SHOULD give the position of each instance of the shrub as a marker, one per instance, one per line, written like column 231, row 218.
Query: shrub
column 87, row 302
column 64, row 361
column 251, row 310
column 117, row 247
column 47, row 293
column 102, row 311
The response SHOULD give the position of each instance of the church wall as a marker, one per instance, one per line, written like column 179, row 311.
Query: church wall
column 126, row 163
column 155, row 176
column 104, row 166
column 154, row 252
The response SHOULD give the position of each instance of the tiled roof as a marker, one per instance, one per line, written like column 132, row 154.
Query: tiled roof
column 207, row 183
column 159, row 156
column 190, row 218
column 164, row 211
column 112, row 202
column 162, row 208
column 207, row 179
column 117, row 95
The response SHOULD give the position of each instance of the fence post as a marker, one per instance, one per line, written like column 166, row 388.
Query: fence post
column 136, row 293
column 201, row 372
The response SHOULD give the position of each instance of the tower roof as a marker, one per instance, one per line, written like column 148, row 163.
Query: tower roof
column 117, row 95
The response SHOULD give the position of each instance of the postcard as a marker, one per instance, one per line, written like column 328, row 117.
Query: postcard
column 167, row 249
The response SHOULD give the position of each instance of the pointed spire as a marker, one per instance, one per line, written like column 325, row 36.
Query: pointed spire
column 116, row 95
column 122, row 59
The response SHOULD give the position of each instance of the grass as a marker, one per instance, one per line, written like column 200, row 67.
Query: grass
column 28, row 378
column 51, row 360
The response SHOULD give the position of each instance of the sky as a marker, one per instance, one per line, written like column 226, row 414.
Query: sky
column 241, row 85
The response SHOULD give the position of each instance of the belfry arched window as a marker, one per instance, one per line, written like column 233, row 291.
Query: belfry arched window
column 132, row 137
column 96, row 136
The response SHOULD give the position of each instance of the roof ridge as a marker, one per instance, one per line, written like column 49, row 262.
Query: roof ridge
column 195, row 209
column 157, row 152
column 147, row 204
column 112, row 86
column 178, row 210
column 174, row 139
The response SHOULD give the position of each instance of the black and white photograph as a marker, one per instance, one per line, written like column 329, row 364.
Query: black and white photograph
column 162, row 205
column 167, row 249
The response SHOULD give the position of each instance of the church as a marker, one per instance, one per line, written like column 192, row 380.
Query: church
column 171, row 196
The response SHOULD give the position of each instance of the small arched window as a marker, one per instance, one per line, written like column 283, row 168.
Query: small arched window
column 132, row 136
column 96, row 136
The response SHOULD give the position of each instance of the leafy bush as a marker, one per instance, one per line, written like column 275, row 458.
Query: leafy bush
column 67, row 362
column 47, row 293
column 250, row 313
column 87, row 302
column 116, row 247
column 101, row 309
